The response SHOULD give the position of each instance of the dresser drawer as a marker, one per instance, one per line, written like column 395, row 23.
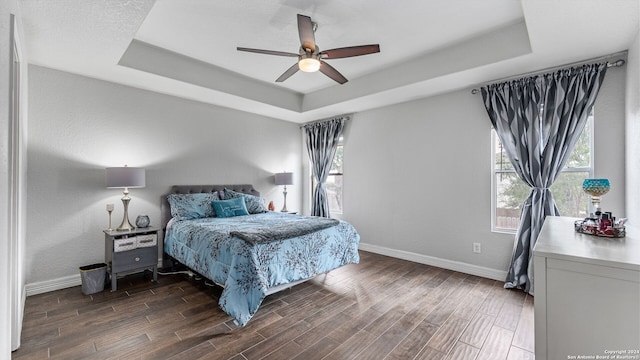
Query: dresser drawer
column 134, row 259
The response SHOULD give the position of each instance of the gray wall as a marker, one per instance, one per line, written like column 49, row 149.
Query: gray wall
column 80, row 125
column 418, row 177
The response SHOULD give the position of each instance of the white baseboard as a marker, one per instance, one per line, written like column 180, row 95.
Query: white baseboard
column 481, row 271
column 53, row 284
column 60, row 283
column 74, row 280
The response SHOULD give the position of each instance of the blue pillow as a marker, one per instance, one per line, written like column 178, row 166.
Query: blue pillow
column 255, row 204
column 192, row 206
column 229, row 208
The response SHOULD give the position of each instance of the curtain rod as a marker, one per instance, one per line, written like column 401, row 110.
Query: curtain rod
column 617, row 63
column 345, row 116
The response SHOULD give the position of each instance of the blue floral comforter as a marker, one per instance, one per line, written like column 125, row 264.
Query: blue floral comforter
column 246, row 271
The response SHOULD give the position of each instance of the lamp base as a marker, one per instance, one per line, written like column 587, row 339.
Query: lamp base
column 284, row 207
column 126, row 224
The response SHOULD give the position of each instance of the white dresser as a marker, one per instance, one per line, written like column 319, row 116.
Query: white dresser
column 587, row 294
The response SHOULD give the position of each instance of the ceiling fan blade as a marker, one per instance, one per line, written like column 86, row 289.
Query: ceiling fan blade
column 305, row 30
column 287, row 74
column 268, row 52
column 331, row 72
column 350, row 51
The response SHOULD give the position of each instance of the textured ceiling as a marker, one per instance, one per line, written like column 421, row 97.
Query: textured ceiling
column 188, row 48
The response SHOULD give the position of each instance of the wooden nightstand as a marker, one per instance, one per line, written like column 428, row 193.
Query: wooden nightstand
column 131, row 251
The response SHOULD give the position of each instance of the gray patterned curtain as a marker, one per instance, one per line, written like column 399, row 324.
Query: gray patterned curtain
column 322, row 141
column 539, row 119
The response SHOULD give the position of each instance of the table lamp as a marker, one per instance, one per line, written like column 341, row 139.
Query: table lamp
column 285, row 178
column 125, row 177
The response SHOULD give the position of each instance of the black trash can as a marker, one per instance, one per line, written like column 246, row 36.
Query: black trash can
column 93, row 277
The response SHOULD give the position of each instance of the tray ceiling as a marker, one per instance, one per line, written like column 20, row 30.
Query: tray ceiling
column 188, row 48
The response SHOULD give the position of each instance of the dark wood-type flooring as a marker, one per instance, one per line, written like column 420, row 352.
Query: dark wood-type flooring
column 382, row 308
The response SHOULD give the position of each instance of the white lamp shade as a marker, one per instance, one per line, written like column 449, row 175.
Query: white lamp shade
column 285, row 178
column 125, row 177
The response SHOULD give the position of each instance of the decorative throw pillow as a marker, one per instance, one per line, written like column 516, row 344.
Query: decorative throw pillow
column 229, row 208
column 192, row 206
column 255, row 204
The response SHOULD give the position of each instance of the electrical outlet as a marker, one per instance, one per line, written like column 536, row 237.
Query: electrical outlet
column 477, row 248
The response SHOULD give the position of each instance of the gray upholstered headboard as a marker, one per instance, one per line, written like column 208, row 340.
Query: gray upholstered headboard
column 165, row 211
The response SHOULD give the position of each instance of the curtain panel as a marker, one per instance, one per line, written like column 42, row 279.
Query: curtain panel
column 322, row 141
column 539, row 120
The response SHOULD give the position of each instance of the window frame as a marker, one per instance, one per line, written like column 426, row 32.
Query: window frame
column 312, row 181
column 336, row 173
column 494, row 171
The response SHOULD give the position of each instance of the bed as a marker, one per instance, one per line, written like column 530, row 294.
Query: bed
column 250, row 256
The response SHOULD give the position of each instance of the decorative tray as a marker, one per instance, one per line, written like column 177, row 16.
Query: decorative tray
column 592, row 229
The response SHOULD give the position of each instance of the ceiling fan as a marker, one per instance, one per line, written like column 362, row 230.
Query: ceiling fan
column 310, row 58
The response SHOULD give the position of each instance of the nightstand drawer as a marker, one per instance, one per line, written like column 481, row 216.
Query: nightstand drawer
column 134, row 259
column 147, row 240
column 125, row 244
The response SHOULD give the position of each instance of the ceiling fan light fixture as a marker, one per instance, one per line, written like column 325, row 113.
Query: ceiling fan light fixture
column 310, row 58
column 309, row 64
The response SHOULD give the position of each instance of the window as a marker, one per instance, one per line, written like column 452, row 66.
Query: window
column 334, row 181
column 509, row 192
